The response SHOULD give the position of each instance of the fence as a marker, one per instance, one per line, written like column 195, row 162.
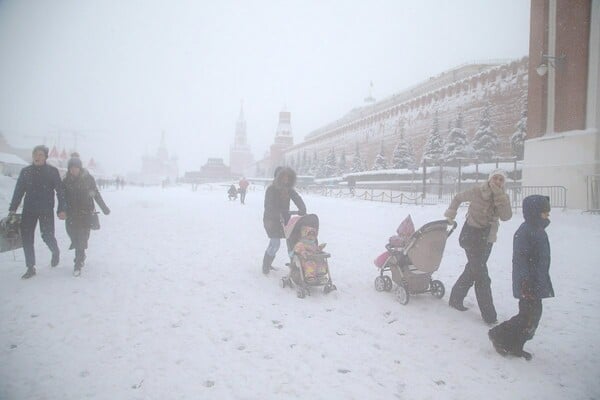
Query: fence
column 593, row 194
column 557, row 194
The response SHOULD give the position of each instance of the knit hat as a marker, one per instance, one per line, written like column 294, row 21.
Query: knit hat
column 74, row 162
column 42, row 148
column 498, row 171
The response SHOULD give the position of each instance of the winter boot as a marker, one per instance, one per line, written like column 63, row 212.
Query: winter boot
column 500, row 349
column 266, row 265
column 457, row 305
column 30, row 272
column 55, row 258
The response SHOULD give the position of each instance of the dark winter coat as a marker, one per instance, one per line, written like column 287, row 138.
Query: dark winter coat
column 277, row 202
column 80, row 193
column 38, row 184
column 531, row 252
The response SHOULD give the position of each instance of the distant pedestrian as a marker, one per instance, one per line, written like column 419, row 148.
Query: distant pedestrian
column 530, row 278
column 243, row 188
column 38, row 183
column 277, row 211
column 488, row 203
column 80, row 193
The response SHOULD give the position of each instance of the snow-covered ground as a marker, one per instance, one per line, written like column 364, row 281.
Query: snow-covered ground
column 172, row 305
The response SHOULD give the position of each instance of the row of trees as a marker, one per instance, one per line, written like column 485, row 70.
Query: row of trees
column 483, row 146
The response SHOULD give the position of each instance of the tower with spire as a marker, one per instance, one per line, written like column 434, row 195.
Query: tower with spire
column 283, row 139
column 240, row 156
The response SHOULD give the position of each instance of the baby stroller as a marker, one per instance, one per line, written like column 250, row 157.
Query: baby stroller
column 412, row 260
column 298, row 264
column 232, row 193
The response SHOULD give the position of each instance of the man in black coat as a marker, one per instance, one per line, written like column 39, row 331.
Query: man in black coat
column 80, row 193
column 277, row 211
column 38, row 183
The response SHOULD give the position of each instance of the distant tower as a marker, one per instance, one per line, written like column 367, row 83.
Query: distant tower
column 283, row 139
column 240, row 156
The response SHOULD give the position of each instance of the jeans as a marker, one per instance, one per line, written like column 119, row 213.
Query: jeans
column 273, row 246
column 29, row 221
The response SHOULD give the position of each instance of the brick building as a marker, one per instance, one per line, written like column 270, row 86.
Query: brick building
column 468, row 89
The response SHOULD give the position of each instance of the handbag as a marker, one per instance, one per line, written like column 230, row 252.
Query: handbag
column 472, row 237
column 94, row 221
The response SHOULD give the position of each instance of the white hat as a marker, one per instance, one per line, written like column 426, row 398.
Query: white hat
column 497, row 172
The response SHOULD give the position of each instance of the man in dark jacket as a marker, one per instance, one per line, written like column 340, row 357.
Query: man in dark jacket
column 38, row 183
column 531, row 278
column 80, row 193
column 277, row 211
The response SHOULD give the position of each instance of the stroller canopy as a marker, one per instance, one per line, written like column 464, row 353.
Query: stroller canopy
column 294, row 226
column 426, row 246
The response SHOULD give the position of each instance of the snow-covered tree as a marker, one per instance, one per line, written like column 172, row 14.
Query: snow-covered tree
column 457, row 144
column 380, row 161
column 485, row 141
column 357, row 162
column 403, row 156
column 434, row 147
column 330, row 164
column 342, row 162
column 517, row 140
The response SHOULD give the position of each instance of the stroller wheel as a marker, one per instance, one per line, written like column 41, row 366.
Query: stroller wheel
column 329, row 288
column 402, row 294
column 301, row 293
column 388, row 283
column 380, row 284
column 437, row 289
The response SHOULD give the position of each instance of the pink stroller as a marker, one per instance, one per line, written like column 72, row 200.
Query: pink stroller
column 411, row 258
column 299, row 264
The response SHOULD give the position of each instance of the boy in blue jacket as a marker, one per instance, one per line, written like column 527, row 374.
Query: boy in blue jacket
column 530, row 276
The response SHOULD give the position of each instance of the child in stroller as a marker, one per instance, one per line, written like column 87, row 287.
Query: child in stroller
column 308, row 262
column 412, row 257
column 232, row 192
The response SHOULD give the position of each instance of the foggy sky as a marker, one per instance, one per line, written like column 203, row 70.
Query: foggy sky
column 118, row 72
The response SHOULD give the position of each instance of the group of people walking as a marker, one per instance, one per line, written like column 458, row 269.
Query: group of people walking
column 488, row 205
column 38, row 184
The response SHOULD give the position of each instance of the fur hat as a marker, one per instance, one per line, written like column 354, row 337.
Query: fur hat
column 74, row 162
column 41, row 147
column 498, row 171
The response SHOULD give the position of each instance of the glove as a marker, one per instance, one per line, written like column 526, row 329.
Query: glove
column 450, row 220
column 106, row 211
column 497, row 190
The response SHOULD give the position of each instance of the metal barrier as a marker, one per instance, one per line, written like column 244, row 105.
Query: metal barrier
column 593, row 194
column 557, row 194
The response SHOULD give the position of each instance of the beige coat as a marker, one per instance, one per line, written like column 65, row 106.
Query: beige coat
column 485, row 208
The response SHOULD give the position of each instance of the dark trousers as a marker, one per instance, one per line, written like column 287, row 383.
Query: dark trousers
column 78, row 229
column 476, row 273
column 513, row 334
column 29, row 221
column 242, row 195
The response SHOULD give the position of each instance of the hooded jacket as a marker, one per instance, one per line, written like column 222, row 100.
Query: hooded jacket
column 277, row 202
column 531, row 252
column 485, row 208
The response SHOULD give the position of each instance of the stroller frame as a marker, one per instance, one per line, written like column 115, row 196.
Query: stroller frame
column 411, row 267
column 296, row 275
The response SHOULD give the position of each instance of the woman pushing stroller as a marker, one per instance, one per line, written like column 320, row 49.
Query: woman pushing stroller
column 488, row 203
column 277, row 211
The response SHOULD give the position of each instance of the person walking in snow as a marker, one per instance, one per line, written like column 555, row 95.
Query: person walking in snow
column 488, row 203
column 530, row 276
column 277, row 211
column 80, row 193
column 243, row 188
column 38, row 183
